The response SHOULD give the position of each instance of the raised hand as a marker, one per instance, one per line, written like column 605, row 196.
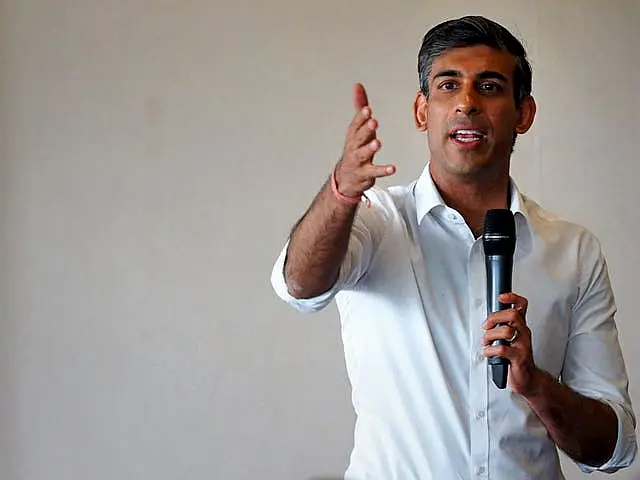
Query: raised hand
column 355, row 171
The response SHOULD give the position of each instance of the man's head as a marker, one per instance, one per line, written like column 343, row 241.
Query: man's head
column 475, row 95
column 468, row 32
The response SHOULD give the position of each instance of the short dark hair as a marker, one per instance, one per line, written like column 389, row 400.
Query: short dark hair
column 467, row 32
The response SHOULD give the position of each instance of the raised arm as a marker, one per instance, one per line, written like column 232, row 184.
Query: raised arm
column 320, row 239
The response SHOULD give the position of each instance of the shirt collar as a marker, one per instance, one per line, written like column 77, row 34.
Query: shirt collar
column 428, row 197
column 426, row 194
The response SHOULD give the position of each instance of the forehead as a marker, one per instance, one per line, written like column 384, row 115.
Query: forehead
column 471, row 61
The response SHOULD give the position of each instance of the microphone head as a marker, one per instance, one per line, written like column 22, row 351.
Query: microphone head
column 499, row 236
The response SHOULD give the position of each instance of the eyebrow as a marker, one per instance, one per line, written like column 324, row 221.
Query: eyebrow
column 487, row 74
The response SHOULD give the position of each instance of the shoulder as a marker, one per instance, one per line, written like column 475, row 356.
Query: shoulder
column 555, row 230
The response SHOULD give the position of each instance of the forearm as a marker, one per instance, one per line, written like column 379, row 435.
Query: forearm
column 318, row 244
column 584, row 428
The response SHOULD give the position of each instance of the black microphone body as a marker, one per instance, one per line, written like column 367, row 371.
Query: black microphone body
column 499, row 241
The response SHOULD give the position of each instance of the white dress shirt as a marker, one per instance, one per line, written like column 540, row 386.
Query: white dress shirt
column 412, row 299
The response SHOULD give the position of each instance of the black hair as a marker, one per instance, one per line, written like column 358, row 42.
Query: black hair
column 467, row 32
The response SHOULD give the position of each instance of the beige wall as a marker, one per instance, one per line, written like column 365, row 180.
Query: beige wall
column 153, row 156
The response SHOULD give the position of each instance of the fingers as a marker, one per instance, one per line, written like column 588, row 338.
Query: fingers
column 515, row 315
column 519, row 303
column 356, row 172
column 509, row 317
column 366, row 174
column 518, row 338
column 509, row 325
column 502, row 332
column 354, row 179
column 360, row 99
column 377, row 171
column 360, row 117
column 362, row 130
column 504, row 351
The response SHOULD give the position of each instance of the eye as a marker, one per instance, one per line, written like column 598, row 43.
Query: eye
column 490, row 87
column 447, row 85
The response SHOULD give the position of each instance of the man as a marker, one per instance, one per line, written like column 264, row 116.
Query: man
column 406, row 267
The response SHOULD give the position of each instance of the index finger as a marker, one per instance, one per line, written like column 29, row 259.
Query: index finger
column 360, row 99
column 518, row 302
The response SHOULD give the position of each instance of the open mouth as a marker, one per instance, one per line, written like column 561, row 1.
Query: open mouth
column 468, row 135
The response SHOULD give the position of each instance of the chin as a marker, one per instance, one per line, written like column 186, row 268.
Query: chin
column 467, row 164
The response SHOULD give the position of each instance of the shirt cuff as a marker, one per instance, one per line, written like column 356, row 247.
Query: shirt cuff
column 626, row 445
column 305, row 305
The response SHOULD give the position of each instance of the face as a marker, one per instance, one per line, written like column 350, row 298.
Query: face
column 470, row 116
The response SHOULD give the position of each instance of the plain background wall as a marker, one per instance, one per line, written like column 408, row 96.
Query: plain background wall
column 153, row 157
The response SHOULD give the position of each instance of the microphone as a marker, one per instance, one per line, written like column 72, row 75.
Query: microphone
column 499, row 242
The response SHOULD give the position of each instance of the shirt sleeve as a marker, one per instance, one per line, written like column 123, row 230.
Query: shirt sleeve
column 368, row 227
column 593, row 365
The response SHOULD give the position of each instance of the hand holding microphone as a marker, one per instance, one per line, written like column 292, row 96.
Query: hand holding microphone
column 507, row 338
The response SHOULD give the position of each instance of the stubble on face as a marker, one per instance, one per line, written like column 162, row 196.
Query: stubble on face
column 471, row 113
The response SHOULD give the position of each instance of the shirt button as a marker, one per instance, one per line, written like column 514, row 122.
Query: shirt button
column 480, row 470
column 453, row 217
column 480, row 358
column 478, row 302
column 480, row 414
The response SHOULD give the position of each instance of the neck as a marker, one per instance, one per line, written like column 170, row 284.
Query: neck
column 473, row 195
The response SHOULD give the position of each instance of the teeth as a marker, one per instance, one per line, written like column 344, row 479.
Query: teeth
column 468, row 135
column 469, row 132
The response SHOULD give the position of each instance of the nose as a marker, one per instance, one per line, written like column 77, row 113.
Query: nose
column 468, row 102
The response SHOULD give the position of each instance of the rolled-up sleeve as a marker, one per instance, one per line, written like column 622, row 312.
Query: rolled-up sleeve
column 594, row 366
column 367, row 229
column 305, row 305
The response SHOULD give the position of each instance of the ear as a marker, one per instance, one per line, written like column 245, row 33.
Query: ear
column 420, row 111
column 526, row 114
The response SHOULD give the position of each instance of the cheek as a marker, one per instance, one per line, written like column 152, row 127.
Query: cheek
column 504, row 123
column 435, row 122
column 434, row 137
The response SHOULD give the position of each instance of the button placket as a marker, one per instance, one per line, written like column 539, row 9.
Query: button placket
column 479, row 371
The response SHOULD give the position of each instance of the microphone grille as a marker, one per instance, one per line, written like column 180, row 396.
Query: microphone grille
column 499, row 236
